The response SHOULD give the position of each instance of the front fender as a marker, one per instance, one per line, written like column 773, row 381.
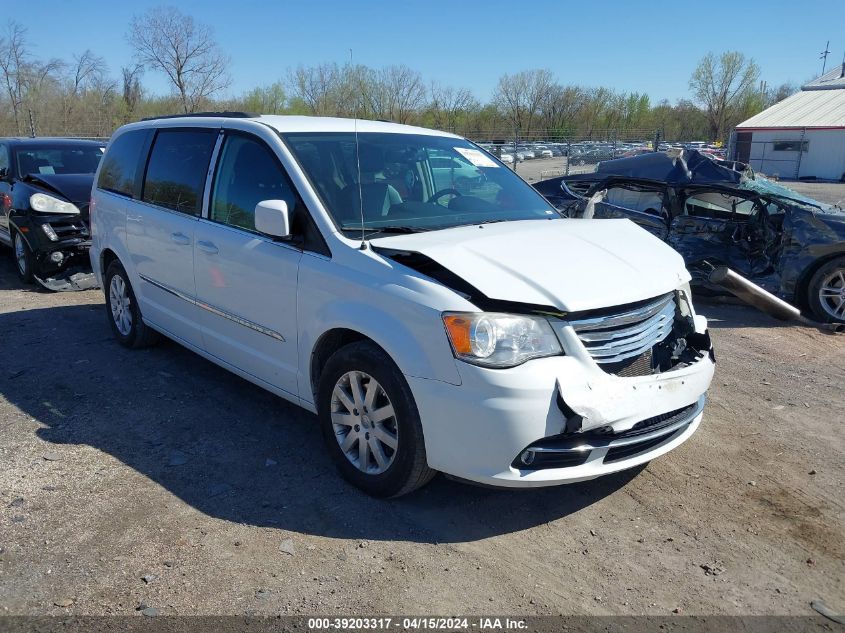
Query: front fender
column 807, row 241
column 394, row 316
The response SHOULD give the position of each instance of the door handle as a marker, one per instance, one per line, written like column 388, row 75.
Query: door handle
column 180, row 238
column 207, row 247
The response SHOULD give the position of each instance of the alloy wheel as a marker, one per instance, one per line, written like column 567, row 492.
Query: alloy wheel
column 832, row 294
column 119, row 302
column 20, row 253
column 364, row 422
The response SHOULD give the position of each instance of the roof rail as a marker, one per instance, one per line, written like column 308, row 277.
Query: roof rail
column 226, row 114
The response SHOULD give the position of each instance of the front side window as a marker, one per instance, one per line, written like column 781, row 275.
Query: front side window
column 58, row 159
column 718, row 205
column 410, row 182
column 177, row 168
column 120, row 164
column 643, row 200
column 247, row 173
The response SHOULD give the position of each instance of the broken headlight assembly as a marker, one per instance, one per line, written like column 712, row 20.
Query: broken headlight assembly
column 498, row 340
column 43, row 203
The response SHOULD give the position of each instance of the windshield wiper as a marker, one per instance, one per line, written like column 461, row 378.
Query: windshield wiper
column 383, row 229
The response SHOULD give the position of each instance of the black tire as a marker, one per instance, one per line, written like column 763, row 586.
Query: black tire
column 814, row 288
column 26, row 267
column 138, row 334
column 409, row 469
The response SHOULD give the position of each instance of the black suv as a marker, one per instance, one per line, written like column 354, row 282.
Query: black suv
column 45, row 188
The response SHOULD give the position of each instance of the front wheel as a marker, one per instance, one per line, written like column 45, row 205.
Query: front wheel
column 24, row 259
column 123, row 312
column 370, row 422
column 826, row 291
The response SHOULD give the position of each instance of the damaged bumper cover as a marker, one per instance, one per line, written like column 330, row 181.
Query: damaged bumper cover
column 562, row 419
column 69, row 280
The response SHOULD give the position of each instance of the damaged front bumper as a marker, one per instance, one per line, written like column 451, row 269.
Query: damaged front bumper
column 562, row 419
column 61, row 256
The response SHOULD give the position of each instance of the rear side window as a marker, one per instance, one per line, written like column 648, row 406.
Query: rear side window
column 177, row 169
column 120, row 164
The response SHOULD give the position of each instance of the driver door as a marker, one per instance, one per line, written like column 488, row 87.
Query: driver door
column 719, row 226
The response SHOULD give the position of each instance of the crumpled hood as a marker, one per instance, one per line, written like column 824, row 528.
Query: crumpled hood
column 572, row 265
column 74, row 187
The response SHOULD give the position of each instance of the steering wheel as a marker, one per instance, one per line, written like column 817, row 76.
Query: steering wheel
column 444, row 192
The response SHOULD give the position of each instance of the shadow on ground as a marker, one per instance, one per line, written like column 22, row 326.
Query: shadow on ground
column 206, row 436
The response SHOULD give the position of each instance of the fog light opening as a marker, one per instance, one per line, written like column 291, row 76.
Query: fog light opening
column 57, row 257
column 49, row 232
column 527, row 457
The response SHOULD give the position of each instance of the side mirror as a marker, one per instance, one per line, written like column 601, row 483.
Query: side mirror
column 272, row 218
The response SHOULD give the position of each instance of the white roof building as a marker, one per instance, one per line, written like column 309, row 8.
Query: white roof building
column 803, row 136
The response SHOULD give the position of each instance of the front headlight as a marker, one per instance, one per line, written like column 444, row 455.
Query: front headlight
column 44, row 203
column 493, row 339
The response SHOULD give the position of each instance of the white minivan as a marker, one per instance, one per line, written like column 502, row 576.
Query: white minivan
column 471, row 331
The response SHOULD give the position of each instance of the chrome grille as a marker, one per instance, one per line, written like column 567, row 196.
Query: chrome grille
column 618, row 336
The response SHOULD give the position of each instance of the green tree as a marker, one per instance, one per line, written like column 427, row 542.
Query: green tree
column 722, row 85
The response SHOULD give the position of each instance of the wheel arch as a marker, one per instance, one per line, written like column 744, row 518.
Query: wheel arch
column 329, row 343
column 15, row 230
column 107, row 256
column 802, row 286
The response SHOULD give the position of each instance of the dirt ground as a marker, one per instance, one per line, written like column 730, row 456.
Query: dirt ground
column 132, row 479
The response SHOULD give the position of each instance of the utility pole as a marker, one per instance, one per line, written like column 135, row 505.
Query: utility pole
column 824, row 54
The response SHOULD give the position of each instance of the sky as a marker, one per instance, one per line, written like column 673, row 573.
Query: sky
column 650, row 46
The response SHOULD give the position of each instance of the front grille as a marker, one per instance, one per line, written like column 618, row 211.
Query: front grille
column 69, row 228
column 660, row 421
column 574, row 449
column 614, row 338
column 642, row 365
column 623, row 452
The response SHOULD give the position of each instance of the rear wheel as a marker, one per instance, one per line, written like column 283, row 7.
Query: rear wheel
column 123, row 312
column 24, row 259
column 826, row 291
column 370, row 422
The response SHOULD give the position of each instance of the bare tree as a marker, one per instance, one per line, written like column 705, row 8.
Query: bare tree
column 720, row 84
column 88, row 71
column 169, row 41
column 448, row 103
column 561, row 105
column 406, row 90
column 318, row 87
column 131, row 88
column 596, row 104
column 519, row 96
column 13, row 59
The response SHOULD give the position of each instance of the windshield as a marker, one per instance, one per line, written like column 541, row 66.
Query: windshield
column 761, row 184
column 58, row 159
column 411, row 182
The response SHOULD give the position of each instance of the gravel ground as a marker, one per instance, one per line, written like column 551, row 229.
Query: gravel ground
column 154, row 478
